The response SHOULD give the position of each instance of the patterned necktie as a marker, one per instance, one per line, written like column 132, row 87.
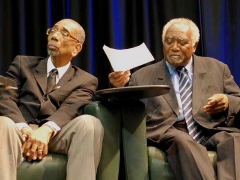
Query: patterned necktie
column 185, row 88
column 51, row 80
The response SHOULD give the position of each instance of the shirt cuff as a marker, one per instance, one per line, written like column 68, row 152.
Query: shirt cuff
column 22, row 125
column 53, row 126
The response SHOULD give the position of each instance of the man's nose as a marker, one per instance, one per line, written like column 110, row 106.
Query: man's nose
column 175, row 46
column 56, row 35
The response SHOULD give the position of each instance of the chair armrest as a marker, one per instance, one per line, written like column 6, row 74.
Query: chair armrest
column 109, row 116
column 124, row 119
column 53, row 167
column 134, row 140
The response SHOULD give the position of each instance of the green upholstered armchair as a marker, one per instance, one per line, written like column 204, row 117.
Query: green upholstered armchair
column 159, row 169
column 125, row 134
column 140, row 162
column 53, row 166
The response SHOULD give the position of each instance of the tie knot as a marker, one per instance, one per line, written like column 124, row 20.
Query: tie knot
column 53, row 72
column 180, row 70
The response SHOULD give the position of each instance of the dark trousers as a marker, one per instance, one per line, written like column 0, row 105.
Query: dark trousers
column 189, row 160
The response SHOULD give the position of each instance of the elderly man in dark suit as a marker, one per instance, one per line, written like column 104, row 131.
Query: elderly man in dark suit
column 192, row 118
column 45, row 113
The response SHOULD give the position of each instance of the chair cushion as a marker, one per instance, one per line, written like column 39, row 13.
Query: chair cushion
column 53, row 167
column 159, row 168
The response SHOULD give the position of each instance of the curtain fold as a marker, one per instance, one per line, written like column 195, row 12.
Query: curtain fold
column 119, row 24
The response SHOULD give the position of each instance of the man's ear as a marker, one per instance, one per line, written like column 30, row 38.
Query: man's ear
column 77, row 49
column 195, row 47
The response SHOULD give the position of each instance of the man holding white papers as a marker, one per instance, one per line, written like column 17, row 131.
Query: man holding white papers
column 191, row 119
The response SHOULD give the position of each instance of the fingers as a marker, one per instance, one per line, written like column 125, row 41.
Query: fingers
column 33, row 152
column 214, row 109
column 116, row 74
column 119, row 75
column 29, row 148
column 216, row 98
column 123, row 82
column 40, row 154
column 45, row 151
column 216, row 103
column 36, row 146
column 37, row 150
column 26, row 147
column 119, row 79
column 32, row 156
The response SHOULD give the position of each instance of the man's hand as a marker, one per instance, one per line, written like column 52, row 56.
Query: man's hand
column 120, row 78
column 36, row 144
column 217, row 103
column 25, row 132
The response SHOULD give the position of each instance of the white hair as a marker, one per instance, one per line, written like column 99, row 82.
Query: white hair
column 193, row 27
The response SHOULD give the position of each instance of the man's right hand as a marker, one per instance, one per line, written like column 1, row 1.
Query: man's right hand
column 120, row 78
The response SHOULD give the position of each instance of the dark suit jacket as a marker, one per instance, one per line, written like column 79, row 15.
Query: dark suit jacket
column 31, row 104
column 210, row 76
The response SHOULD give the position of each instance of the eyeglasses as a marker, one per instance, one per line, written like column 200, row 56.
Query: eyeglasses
column 64, row 33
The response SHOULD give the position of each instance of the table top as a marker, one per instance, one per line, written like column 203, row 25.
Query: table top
column 133, row 92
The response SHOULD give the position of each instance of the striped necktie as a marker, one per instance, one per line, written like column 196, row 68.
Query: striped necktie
column 185, row 88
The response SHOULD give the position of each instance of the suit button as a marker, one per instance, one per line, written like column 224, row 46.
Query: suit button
column 42, row 100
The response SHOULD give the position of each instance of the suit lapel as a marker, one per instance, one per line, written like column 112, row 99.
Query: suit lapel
column 201, row 80
column 68, row 75
column 162, row 77
column 40, row 74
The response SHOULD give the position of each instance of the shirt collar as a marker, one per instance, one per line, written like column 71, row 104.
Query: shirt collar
column 189, row 67
column 61, row 70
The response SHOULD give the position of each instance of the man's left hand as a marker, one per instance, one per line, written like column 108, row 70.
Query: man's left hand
column 216, row 103
column 36, row 144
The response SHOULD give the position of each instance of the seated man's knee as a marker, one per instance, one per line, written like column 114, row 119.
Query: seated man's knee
column 91, row 124
column 182, row 140
column 6, row 122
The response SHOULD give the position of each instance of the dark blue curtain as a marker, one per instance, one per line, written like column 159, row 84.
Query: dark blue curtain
column 118, row 24
column 220, row 27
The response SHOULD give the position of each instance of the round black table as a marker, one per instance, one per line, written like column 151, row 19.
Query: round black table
column 132, row 92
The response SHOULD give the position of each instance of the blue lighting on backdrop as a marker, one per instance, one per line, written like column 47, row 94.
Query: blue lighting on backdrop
column 50, row 13
column 118, row 23
column 68, row 7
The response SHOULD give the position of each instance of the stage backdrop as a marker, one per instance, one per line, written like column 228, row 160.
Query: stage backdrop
column 118, row 24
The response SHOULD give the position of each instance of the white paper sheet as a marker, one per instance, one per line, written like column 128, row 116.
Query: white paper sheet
column 125, row 59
